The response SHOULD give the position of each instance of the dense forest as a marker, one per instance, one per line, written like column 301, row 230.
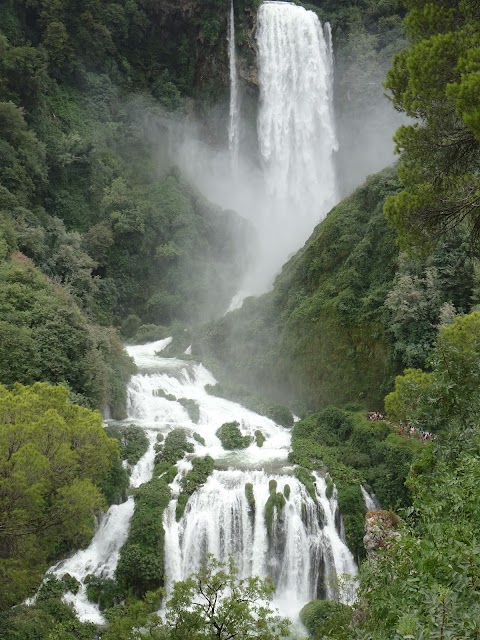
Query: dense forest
column 106, row 239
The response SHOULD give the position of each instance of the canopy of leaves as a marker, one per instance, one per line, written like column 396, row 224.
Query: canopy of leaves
column 437, row 81
column 216, row 603
column 53, row 457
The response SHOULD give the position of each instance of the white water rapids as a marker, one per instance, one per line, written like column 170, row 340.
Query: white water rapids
column 303, row 552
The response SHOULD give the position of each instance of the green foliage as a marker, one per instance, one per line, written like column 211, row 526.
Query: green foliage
column 54, row 456
column 198, row 438
column 250, row 495
column 434, row 82
column 308, row 481
column 201, row 469
column 133, row 442
column 323, row 618
column 231, row 437
column 141, row 563
column 115, row 486
column 259, row 438
column 448, row 394
column 274, row 506
column 191, row 408
column 174, row 447
column 326, row 306
column 355, row 451
column 50, row 339
column 425, row 585
column 103, row 592
column 49, row 618
column 225, row 606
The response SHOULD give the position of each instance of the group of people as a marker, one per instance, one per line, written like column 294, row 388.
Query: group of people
column 413, row 432
column 375, row 416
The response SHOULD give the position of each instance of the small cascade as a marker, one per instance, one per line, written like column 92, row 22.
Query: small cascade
column 234, row 120
column 371, row 501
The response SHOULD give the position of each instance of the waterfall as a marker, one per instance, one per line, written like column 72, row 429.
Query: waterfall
column 296, row 122
column 234, row 121
column 302, row 553
column 299, row 547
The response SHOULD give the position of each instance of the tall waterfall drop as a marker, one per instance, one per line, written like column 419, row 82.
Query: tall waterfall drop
column 296, row 128
column 234, row 121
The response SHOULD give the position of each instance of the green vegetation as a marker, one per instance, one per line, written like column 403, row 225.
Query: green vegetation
column 229, row 606
column 323, row 618
column 448, row 394
column 435, row 81
column 160, row 393
column 104, row 592
column 259, row 438
column 133, row 442
column 54, row 458
column 355, row 451
column 198, row 438
column 174, row 448
column 44, row 335
column 141, row 563
column 250, row 496
column 191, row 407
column 274, row 506
column 192, row 480
column 49, row 615
column 231, row 437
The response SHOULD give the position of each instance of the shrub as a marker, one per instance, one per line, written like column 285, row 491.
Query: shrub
column 174, row 448
column 231, row 436
column 259, row 438
column 191, row 408
column 193, row 479
column 198, row 438
column 133, row 442
column 324, row 617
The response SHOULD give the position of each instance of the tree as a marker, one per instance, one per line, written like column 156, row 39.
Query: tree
column 437, row 82
column 53, row 457
column 215, row 604
column 449, row 394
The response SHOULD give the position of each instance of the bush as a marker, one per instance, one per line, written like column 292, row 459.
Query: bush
column 104, row 592
column 191, row 408
column 280, row 415
column 133, row 442
column 231, row 436
column 149, row 333
column 324, row 617
column 198, row 438
column 192, row 480
column 174, row 448
column 259, row 438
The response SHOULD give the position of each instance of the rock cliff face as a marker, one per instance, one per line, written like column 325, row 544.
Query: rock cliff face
column 380, row 531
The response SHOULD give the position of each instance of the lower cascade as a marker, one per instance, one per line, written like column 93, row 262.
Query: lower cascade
column 252, row 507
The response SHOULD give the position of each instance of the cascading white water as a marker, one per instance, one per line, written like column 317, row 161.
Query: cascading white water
column 296, row 134
column 295, row 124
column 303, row 551
column 234, row 120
